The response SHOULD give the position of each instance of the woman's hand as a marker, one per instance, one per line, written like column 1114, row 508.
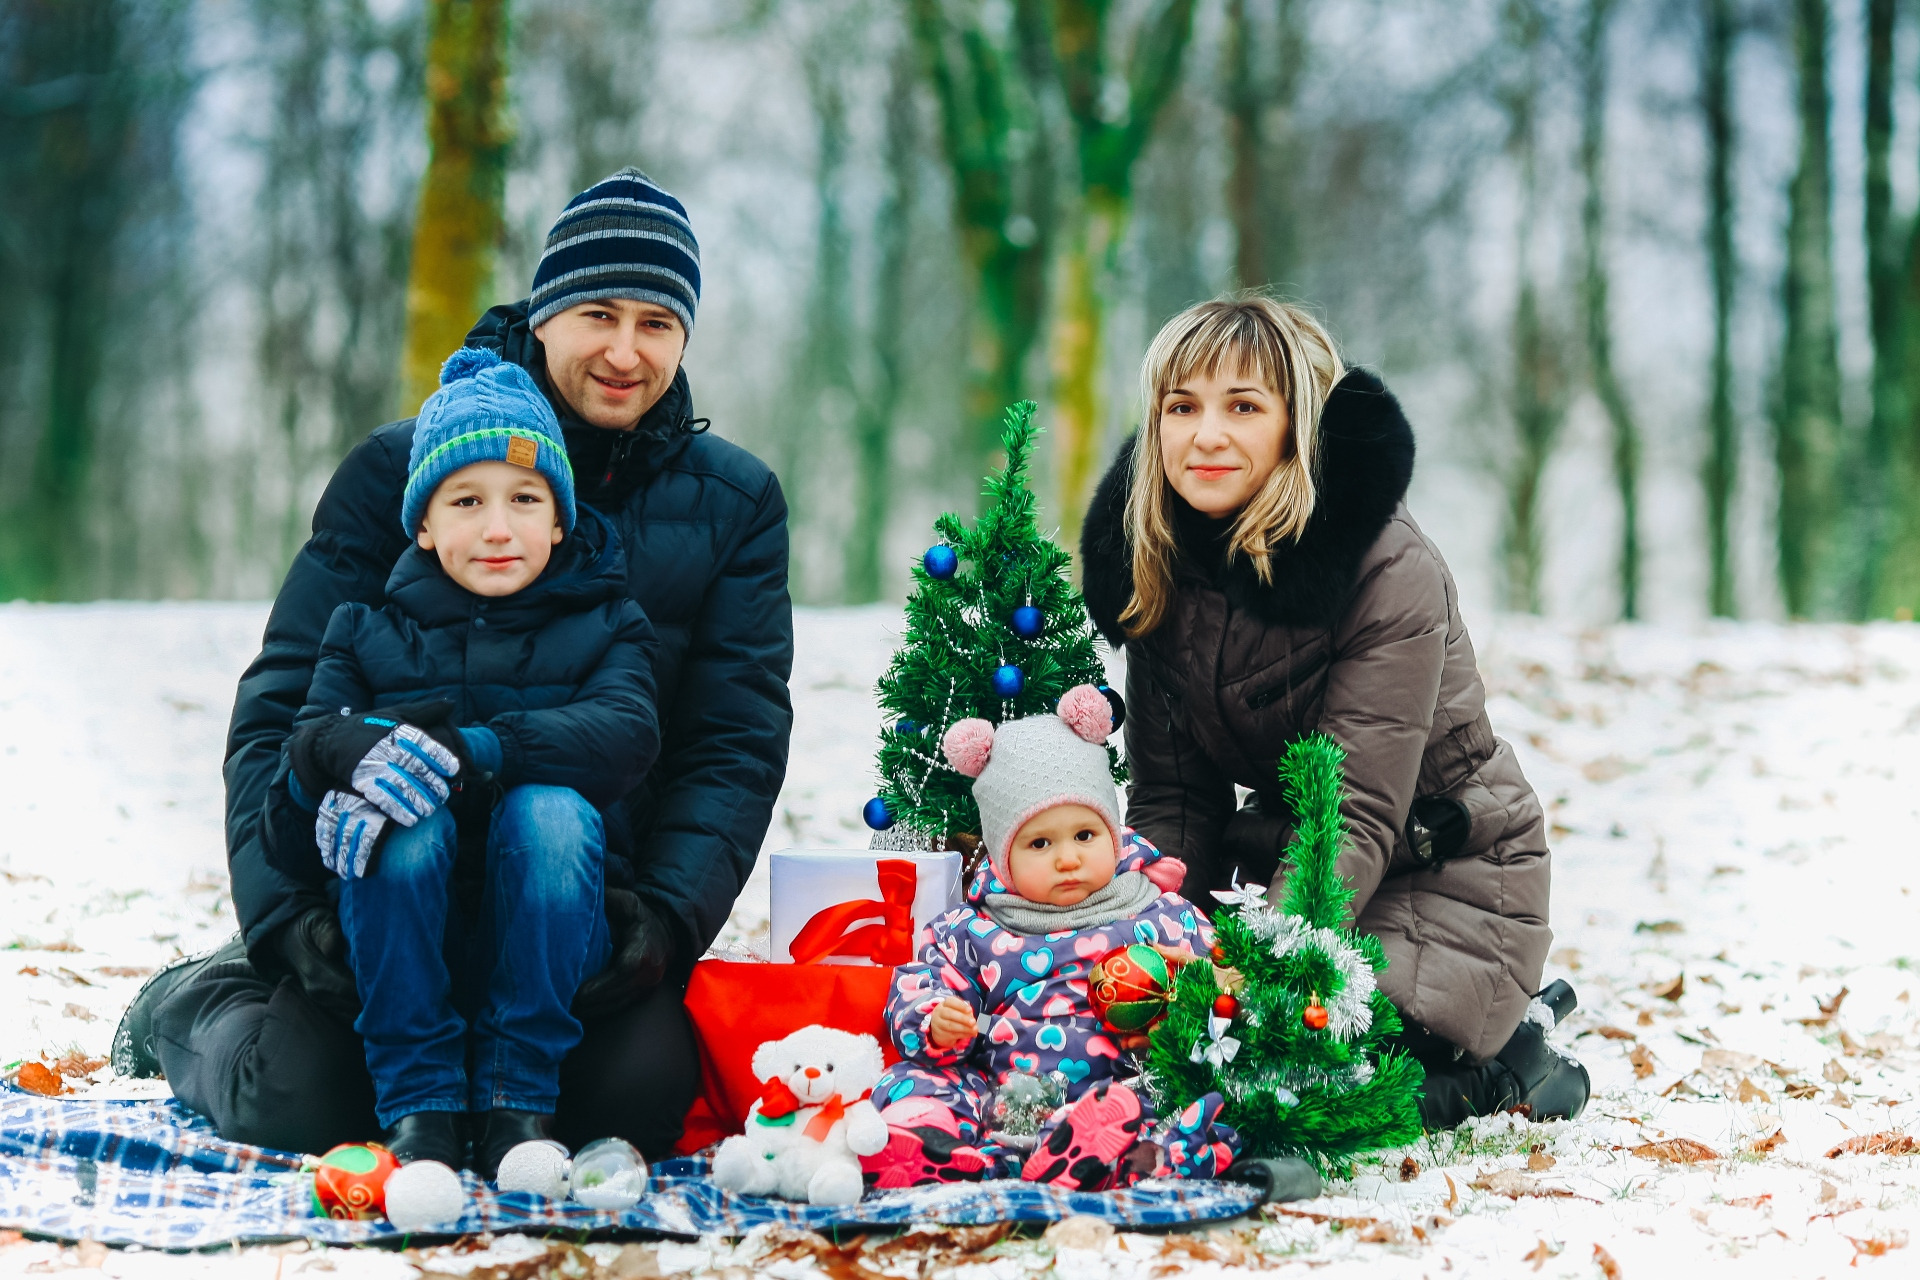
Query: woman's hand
column 952, row 1024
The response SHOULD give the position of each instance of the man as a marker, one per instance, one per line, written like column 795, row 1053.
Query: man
column 258, row 1036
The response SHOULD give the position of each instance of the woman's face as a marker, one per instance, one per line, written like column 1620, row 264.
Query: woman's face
column 1221, row 437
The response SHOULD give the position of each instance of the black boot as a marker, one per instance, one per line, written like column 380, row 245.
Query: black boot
column 429, row 1135
column 500, row 1132
column 1527, row 1075
column 132, row 1056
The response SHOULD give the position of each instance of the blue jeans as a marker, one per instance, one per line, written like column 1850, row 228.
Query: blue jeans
column 440, row 991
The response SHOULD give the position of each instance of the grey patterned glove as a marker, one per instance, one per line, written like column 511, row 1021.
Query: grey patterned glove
column 405, row 774
column 347, row 830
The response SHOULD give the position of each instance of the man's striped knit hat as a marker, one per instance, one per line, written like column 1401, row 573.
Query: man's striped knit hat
column 623, row 237
column 486, row 410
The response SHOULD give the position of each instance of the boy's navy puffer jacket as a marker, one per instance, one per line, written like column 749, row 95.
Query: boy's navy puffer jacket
column 562, row 672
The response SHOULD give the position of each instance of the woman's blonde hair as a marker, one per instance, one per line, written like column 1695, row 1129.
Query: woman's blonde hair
column 1284, row 346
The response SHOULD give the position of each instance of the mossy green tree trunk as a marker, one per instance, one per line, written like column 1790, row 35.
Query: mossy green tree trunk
column 459, row 226
column 1113, row 101
column 1807, row 424
column 1720, row 471
column 1000, row 155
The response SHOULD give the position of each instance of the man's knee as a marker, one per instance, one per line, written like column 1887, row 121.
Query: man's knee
column 264, row 1064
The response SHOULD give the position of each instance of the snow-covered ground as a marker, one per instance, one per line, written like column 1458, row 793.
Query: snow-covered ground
column 1736, row 831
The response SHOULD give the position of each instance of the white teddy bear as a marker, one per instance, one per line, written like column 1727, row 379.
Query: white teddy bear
column 806, row 1133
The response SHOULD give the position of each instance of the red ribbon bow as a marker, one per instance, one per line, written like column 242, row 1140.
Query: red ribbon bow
column 889, row 940
column 777, row 1102
column 831, row 1110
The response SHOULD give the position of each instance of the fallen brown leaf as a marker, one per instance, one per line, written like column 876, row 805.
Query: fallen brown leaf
column 1878, row 1246
column 1751, row 1092
column 1835, row 1072
column 63, row 947
column 1675, row 1151
column 1672, row 989
column 1728, row 1060
column 1453, row 1194
column 1642, row 1059
column 1604, row 1260
column 1680, row 1089
column 77, row 1065
column 1513, row 1184
column 1409, row 1169
column 1889, row 1142
column 1801, row 1090
column 1081, row 1231
column 1539, row 1254
column 79, row 1011
column 1613, row 1033
column 1660, row 926
column 1750, row 1202
column 29, row 971
column 1539, row 1162
column 124, row 970
column 1645, row 1019
column 1772, row 1142
column 37, row 1077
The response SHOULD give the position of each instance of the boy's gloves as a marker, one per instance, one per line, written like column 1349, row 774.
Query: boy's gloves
column 315, row 950
column 347, row 830
column 398, row 757
column 642, row 949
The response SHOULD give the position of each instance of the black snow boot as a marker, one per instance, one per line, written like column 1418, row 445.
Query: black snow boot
column 1528, row 1075
column 500, row 1131
column 132, row 1056
column 429, row 1135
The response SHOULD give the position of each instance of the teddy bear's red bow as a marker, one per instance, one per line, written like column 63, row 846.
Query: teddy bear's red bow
column 778, row 1103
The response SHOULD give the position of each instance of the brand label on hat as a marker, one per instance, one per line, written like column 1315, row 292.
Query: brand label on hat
column 522, row 452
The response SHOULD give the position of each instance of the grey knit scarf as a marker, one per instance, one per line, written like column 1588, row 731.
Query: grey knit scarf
column 1125, row 895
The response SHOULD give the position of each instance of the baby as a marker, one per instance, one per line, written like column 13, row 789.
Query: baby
column 1001, row 984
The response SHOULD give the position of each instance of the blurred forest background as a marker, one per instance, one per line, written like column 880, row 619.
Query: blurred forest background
column 1645, row 272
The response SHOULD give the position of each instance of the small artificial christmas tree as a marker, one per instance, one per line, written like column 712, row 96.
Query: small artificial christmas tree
column 1296, row 1048
column 994, row 630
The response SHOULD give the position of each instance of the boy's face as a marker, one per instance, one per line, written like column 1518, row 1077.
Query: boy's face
column 1062, row 856
column 494, row 526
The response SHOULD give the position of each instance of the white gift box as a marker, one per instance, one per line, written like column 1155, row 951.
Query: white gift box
column 863, row 901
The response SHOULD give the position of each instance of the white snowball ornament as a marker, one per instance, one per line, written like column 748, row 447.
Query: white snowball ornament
column 539, row 1166
column 424, row 1196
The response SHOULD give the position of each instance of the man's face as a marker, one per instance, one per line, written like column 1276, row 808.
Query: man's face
column 493, row 525
column 612, row 360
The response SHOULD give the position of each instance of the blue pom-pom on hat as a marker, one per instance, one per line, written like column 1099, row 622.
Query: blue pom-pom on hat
column 486, row 410
column 467, row 362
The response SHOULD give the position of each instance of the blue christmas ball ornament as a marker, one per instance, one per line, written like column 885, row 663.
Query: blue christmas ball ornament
column 941, row 562
column 877, row 815
column 1008, row 681
column 907, row 726
column 1028, row 622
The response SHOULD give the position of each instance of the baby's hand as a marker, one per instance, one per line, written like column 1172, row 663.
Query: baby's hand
column 952, row 1024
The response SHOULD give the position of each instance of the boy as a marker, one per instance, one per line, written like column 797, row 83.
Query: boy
column 457, row 760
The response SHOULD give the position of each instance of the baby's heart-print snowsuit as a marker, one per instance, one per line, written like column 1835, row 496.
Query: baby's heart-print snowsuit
column 1029, row 997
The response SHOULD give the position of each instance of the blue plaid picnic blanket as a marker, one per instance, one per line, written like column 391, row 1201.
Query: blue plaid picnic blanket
column 153, row 1173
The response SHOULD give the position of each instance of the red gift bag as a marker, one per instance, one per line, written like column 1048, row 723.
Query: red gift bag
column 736, row 1007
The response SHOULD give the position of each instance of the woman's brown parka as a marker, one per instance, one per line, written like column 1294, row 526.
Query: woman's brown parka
column 1359, row 636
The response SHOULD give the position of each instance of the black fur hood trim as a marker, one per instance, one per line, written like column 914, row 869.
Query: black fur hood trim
column 1366, row 462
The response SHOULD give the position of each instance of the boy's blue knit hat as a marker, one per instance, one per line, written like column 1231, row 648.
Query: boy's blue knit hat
column 486, row 410
column 623, row 237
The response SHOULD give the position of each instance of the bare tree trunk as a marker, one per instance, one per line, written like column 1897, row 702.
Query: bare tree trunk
column 1538, row 396
column 459, row 225
column 1721, row 471
column 1594, row 298
column 1807, row 429
column 893, row 224
column 1259, row 98
column 1872, row 510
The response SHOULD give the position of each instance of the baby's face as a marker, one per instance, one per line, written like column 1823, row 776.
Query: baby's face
column 1062, row 856
column 493, row 525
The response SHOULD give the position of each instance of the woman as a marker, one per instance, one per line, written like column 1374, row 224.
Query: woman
column 1252, row 551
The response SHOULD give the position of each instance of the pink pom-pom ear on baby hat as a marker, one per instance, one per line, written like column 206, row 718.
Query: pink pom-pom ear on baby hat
column 969, row 745
column 1087, row 712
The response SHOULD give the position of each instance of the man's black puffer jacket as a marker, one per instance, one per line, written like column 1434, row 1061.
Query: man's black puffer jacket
column 704, row 527
column 562, row 672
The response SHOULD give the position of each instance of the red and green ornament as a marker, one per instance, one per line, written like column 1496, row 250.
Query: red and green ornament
column 350, row 1182
column 1129, row 988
